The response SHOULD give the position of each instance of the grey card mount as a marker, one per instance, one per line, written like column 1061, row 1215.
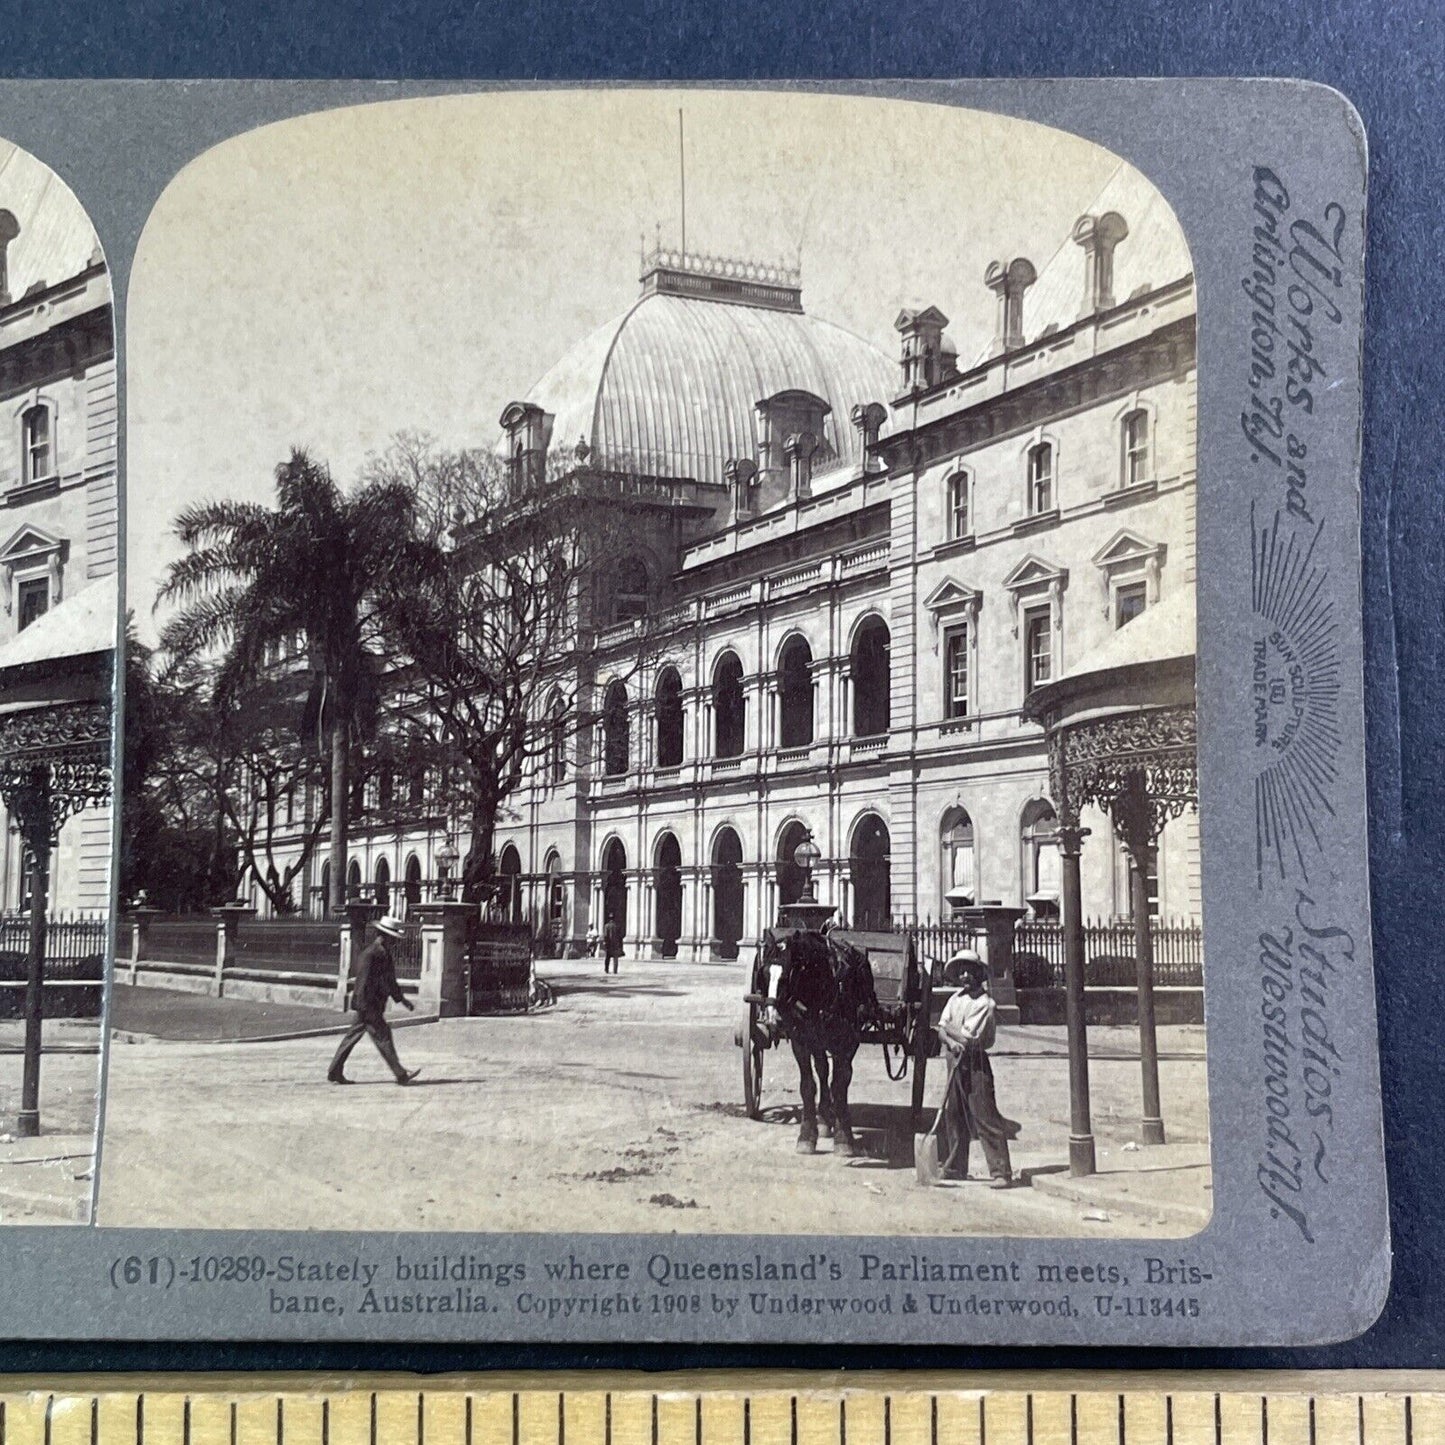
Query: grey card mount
column 743, row 713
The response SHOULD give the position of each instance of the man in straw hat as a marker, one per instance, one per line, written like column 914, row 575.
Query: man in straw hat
column 967, row 1028
column 375, row 983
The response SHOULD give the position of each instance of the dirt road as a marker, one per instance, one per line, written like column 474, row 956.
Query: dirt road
column 619, row 1109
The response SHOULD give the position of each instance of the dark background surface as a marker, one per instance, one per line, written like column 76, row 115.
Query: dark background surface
column 1387, row 57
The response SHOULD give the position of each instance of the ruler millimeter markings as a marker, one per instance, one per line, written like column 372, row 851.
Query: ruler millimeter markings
column 738, row 1409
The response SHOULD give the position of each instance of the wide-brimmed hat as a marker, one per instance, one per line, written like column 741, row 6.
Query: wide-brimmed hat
column 390, row 925
column 963, row 964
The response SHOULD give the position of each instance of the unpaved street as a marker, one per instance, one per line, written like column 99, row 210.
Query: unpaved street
column 619, row 1109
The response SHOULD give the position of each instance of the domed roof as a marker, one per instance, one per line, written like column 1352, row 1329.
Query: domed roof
column 670, row 387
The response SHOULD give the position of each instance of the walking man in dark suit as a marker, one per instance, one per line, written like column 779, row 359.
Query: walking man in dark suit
column 611, row 946
column 374, row 985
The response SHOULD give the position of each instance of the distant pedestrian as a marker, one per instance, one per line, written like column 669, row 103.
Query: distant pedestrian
column 593, row 939
column 375, row 984
column 611, row 946
column 967, row 1028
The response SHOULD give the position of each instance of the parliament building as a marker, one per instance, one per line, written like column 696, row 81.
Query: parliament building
column 870, row 561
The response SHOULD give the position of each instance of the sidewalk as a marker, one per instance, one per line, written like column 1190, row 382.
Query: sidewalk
column 1162, row 1184
column 57, row 1036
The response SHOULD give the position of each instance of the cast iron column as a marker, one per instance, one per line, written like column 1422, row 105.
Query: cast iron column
column 1133, row 818
column 27, row 1124
column 1081, row 1129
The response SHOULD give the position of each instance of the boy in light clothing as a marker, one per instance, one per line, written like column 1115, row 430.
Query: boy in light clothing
column 967, row 1028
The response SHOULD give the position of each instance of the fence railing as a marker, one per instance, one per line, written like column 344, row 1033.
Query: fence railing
column 1038, row 955
column 1109, row 960
column 74, row 965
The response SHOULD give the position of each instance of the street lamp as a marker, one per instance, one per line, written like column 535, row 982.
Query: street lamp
column 805, row 855
column 447, row 856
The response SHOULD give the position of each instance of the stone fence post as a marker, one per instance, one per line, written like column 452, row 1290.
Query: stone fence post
column 993, row 925
column 443, row 986
column 228, row 921
column 140, row 922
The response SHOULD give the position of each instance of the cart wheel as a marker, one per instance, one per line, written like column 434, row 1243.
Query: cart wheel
column 922, row 1043
column 752, row 1066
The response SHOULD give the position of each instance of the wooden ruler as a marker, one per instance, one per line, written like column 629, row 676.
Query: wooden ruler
column 730, row 1409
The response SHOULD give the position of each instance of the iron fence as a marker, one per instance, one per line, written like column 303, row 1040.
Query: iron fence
column 74, row 965
column 285, row 945
column 1109, row 960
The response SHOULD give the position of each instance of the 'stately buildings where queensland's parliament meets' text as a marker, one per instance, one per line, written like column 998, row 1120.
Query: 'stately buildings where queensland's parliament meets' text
column 870, row 560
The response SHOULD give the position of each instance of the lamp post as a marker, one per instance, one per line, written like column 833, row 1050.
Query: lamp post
column 805, row 855
column 806, row 912
column 447, row 856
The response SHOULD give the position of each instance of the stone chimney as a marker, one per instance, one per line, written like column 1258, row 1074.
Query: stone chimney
column 9, row 230
column 1009, row 280
column 798, row 452
column 922, row 357
column 1098, row 235
column 868, row 421
column 741, row 475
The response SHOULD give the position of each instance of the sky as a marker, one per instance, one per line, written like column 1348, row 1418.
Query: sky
column 332, row 280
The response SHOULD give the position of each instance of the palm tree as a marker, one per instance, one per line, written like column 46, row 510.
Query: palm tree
column 254, row 579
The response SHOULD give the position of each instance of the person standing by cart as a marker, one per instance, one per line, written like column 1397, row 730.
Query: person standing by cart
column 967, row 1029
column 374, row 986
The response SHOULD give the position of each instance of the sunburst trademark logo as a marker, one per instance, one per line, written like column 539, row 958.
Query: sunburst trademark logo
column 1294, row 696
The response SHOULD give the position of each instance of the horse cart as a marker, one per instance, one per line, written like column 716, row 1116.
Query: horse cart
column 909, row 1005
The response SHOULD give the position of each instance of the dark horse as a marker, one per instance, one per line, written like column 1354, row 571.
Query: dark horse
column 819, row 993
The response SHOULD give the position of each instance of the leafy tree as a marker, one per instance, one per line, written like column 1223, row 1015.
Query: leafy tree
column 254, row 579
column 493, row 609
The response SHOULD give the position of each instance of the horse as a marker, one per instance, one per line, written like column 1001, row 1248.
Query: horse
column 820, row 996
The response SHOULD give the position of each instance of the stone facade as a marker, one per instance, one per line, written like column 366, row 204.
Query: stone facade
column 58, row 442
column 855, row 614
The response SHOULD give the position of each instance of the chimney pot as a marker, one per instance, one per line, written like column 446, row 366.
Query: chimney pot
column 1098, row 235
column 1008, row 280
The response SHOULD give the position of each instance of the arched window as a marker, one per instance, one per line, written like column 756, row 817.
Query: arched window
column 1042, row 869
column 667, row 888
column 557, row 738
column 383, row 883
column 556, row 902
column 385, row 786
column 509, row 866
column 868, row 665
column 960, row 514
column 37, row 438
column 960, row 873
column 616, row 744
column 728, row 707
column 795, row 688
column 1041, row 479
column 412, row 887
column 868, row 872
column 1135, row 442
column 353, row 880
column 416, row 784
column 325, row 909
column 727, row 893
column 614, row 885
column 669, row 719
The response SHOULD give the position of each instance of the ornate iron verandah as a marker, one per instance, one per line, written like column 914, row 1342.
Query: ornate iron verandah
column 1121, row 738
column 55, row 759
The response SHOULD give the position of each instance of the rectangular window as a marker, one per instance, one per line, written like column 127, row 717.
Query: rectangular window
column 958, row 519
column 1041, row 479
column 1136, row 448
column 38, row 446
column 955, row 652
column 33, row 599
column 1039, row 645
column 1129, row 602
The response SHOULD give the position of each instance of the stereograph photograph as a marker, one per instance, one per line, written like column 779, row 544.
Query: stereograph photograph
column 58, row 606
column 660, row 679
